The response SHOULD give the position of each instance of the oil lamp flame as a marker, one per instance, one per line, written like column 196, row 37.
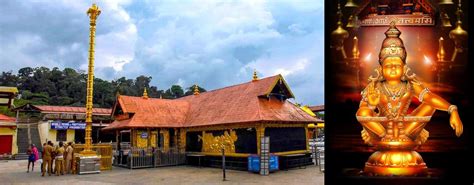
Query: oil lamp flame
column 427, row 60
column 368, row 57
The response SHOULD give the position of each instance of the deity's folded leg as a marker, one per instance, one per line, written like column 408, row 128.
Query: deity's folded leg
column 413, row 129
column 374, row 128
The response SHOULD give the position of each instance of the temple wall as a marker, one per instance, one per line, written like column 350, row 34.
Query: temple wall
column 241, row 140
column 9, row 131
column 46, row 133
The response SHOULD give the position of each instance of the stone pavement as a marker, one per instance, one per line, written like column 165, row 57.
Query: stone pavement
column 14, row 172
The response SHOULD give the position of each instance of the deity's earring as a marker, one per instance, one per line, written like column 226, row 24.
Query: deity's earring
column 404, row 72
column 380, row 73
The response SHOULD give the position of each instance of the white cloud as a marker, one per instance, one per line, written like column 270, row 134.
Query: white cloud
column 211, row 43
column 60, row 36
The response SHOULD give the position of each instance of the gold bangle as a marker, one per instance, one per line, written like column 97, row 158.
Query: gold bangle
column 422, row 94
column 452, row 108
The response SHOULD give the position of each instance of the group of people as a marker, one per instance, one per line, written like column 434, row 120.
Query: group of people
column 61, row 155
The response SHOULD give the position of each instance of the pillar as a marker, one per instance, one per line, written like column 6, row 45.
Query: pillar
column 260, row 129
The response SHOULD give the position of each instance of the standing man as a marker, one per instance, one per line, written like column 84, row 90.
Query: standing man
column 48, row 150
column 69, row 155
column 59, row 164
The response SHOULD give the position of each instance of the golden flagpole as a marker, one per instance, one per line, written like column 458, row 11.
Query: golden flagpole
column 93, row 13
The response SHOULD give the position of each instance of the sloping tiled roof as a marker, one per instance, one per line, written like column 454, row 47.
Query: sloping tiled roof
column 151, row 112
column 5, row 118
column 73, row 110
column 234, row 104
column 241, row 103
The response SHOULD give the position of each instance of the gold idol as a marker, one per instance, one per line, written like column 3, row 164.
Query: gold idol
column 383, row 113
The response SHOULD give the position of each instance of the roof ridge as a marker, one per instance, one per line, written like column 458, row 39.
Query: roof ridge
column 155, row 99
column 68, row 106
column 250, row 82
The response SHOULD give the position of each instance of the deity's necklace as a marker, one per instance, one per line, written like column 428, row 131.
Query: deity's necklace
column 396, row 95
column 393, row 110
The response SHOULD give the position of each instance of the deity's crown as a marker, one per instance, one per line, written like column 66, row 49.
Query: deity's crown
column 392, row 45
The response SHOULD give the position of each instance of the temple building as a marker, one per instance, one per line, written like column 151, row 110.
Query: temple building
column 8, row 133
column 233, row 117
column 6, row 95
column 40, row 123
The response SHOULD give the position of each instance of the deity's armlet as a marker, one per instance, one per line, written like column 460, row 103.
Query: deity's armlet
column 419, row 90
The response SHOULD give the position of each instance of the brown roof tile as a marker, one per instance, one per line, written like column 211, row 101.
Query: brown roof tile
column 151, row 112
column 234, row 104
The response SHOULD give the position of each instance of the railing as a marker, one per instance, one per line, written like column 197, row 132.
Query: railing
column 317, row 152
column 103, row 150
column 320, row 154
column 148, row 157
column 141, row 158
column 169, row 158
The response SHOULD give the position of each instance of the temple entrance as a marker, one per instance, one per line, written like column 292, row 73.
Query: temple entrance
column 137, row 149
column 79, row 136
column 6, row 144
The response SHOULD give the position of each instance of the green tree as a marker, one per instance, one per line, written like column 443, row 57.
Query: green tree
column 8, row 79
column 175, row 91
column 67, row 87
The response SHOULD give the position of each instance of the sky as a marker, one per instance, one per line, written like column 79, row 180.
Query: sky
column 210, row 43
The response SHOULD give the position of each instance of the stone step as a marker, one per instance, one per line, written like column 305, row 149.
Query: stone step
column 35, row 137
column 21, row 156
column 22, row 141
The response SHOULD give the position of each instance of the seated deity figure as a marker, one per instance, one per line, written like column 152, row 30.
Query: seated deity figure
column 383, row 113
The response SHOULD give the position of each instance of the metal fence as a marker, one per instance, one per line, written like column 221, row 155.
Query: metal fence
column 141, row 158
column 171, row 157
column 317, row 152
column 148, row 157
column 321, row 159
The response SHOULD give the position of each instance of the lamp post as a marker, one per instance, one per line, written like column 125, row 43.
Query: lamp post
column 223, row 163
column 93, row 12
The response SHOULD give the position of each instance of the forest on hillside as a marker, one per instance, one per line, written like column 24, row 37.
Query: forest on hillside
column 67, row 87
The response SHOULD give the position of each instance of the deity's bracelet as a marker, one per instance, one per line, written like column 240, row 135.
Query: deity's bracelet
column 452, row 108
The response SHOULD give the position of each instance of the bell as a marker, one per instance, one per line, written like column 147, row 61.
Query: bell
column 459, row 36
column 351, row 4
column 445, row 22
column 445, row 2
column 339, row 35
column 350, row 22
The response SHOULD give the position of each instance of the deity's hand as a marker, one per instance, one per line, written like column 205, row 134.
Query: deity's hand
column 373, row 94
column 456, row 123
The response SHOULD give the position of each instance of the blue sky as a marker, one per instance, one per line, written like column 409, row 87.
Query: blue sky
column 210, row 43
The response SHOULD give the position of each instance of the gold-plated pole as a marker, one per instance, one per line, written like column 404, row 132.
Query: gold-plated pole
column 93, row 13
column 441, row 53
column 355, row 49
